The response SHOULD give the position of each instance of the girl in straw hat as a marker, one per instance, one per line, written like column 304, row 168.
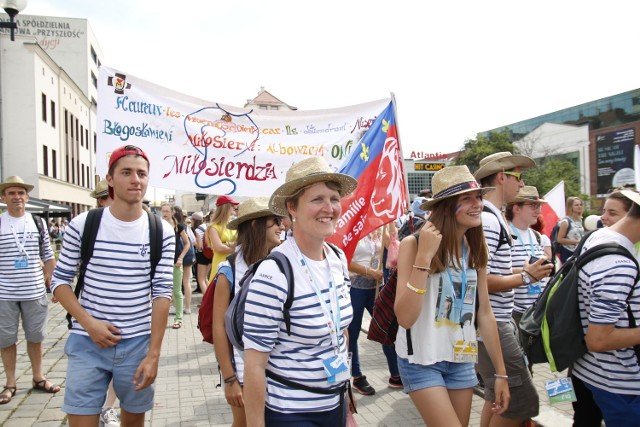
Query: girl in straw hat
column 308, row 369
column 258, row 232
column 441, row 273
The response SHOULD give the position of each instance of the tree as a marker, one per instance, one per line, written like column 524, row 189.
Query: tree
column 549, row 172
column 476, row 149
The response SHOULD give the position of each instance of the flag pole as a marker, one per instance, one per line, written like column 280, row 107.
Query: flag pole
column 404, row 171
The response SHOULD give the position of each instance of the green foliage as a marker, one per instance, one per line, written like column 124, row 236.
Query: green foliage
column 549, row 172
column 476, row 149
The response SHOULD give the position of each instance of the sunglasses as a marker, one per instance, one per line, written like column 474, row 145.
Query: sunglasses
column 516, row 175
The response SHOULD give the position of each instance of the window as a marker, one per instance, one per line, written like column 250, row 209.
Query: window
column 84, row 182
column 77, row 124
column 44, row 108
column 45, row 160
column 82, row 136
column 54, row 164
column 86, row 137
column 94, row 80
column 67, row 168
column 94, row 56
column 53, row 114
column 71, row 121
column 95, row 143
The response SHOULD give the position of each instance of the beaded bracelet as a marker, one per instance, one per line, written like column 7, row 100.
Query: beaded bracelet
column 232, row 379
column 416, row 290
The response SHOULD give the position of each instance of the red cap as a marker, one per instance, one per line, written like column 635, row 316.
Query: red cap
column 223, row 200
column 125, row 150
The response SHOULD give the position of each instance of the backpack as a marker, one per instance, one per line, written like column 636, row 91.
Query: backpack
column 205, row 313
column 207, row 251
column 551, row 329
column 555, row 246
column 89, row 234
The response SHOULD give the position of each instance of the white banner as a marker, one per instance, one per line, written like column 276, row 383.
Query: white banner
column 206, row 147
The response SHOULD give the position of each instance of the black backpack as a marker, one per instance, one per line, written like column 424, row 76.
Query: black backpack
column 551, row 329
column 89, row 234
column 555, row 246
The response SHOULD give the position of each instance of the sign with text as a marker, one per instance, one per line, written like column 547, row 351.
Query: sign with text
column 428, row 167
column 614, row 159
column 208, row 147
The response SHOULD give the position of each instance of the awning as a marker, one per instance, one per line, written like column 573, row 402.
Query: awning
column 41, row 206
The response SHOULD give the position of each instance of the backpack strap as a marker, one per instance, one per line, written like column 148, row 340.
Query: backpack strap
column 38, row 221
column 285, row 266
column 155, row 241
column 232, row 263
column 87, row 243
column 538, row 236
column 504, row 234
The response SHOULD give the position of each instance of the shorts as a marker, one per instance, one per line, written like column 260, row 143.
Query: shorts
column 524, row 402
column 332, row 418
column 452, row 375
column 202, row 260
column 617, row 409
column 34, row 320
column 90, row 369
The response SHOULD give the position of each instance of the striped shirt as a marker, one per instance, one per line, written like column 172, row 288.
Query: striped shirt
column 297, row 357
column 499, row 261
column 524, row 247
column 117, row 286
column 22, row 284
column 605, row 284
column 200, row 230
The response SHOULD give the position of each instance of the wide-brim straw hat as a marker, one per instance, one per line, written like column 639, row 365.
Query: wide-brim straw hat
column 101, row 190
column 503, row 161
column 634, row 196
column 251, row 209
column 15, row 181
column 452, row 181
column 304, row 173
column 528, row 194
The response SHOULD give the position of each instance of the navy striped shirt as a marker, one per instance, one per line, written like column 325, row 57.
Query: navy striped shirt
column 524, row 247
column 297, row 357
column 605, row 285
column 22, row 284
column 117, row 286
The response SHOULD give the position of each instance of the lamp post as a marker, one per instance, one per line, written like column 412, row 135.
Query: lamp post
column 12, row 7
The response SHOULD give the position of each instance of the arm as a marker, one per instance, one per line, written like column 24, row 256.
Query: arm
column 409, row 303
column 562, row 235
column 148, row 370
column 216, row 243
column 49, row 266
column 222, row 347
column 536, row 272
column 363, row 270
column 198, row 242
column 186, row 244
column 255, row 385
column 489, row 332
column 601, row 338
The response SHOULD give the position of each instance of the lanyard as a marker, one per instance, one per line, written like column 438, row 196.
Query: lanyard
column 332, row 316
column 21, row 247
column 463, row 273
column 531, row 249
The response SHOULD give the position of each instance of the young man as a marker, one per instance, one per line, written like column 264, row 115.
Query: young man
column 503, row 172
column 120, row 318
column 607, row 295
column 22, row 285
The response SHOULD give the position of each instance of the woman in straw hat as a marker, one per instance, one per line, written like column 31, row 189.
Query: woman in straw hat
column 522, row 213
column 258, row 232
column 441, row 272
column 307, row 370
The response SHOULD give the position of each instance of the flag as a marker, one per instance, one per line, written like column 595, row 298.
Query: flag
column 381, row 195
column 636, row 165
column 554, row 209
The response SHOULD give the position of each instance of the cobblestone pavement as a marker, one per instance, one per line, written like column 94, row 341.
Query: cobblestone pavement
column 186, row 393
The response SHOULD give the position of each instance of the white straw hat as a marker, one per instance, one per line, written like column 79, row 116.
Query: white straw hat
column 451, row 181
column 15, row 181
column 503, row 161
column 251, row 209
column 528, row 193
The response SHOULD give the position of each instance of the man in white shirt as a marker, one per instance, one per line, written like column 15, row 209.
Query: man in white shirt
column 23, row 249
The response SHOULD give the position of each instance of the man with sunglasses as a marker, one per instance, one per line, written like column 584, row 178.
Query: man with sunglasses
column 503, row 172
column 121, row 315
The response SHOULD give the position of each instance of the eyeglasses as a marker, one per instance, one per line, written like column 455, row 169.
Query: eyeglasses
column 534, row 206
column 277, row 220
column 516, row 175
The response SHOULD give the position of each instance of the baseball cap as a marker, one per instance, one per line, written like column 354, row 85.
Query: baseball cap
column 125, row 150
column 223, row 200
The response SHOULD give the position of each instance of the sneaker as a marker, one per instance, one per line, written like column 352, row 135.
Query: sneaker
column 109, row 418
column 187, row 311
column 363, row 387
column 395, row 382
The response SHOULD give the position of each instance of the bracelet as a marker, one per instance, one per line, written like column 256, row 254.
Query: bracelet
column 531, row 275
column 232, row 379
column 416, row 290
column 502, row 377
column 427, row 269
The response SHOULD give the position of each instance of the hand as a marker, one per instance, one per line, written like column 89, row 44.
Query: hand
column 429, row 242
column 178, row 263
column 503, row 396
column 102, row 333
column 233, row 394
column 538, row 270
column 146, row 373
column 376, row 275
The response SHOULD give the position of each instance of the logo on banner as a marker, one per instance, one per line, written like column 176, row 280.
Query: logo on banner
column 391, row 183
column 119, row 82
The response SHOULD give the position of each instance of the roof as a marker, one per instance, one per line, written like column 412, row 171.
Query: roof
column 266, row 98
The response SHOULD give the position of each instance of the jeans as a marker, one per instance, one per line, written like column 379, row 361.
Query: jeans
column 362, row 299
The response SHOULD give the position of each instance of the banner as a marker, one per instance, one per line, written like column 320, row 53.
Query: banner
column 207, row 147
column 614, row 160
column 554, row 209
column 381, row 196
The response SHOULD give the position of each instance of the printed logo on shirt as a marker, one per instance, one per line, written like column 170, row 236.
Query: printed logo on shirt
column 144, row 250
column 265, row 276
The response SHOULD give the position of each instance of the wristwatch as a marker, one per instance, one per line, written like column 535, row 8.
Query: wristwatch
column 525, row 278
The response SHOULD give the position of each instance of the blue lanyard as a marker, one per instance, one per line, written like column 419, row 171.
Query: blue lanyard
column 463, row 273
column 531, row 249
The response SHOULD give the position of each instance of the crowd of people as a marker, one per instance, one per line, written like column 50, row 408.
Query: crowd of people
column 469, row 257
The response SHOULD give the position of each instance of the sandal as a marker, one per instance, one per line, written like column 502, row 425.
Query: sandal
column 6, row 398
column 42, row 386
column 177, row 324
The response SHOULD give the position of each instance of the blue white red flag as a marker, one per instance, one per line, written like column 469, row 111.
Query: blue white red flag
column 381, row 196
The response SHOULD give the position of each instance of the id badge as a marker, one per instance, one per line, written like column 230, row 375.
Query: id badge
column 560, row 390
column 337, row 369
column 534, row 289
column 21, row 262
column 465, row 351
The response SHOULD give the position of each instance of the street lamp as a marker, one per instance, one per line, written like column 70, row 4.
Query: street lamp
column 12, row 7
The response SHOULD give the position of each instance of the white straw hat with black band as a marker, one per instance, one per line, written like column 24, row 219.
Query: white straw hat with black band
column 452, row 181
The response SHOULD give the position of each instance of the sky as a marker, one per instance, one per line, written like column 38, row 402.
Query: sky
column 456, row 68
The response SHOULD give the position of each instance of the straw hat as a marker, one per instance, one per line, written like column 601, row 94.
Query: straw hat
column 251, row 209
column 14, row 181
column 451, row 181
column 502, row 161
column 306, row 172
column 102, row 189
column 197, row 216
column 529, row 194
column 631, row 195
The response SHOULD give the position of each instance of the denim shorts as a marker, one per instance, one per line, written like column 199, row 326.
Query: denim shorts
column 452, row 375
column 90, row 369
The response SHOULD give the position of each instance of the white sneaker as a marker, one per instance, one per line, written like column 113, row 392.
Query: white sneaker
column 109, row 418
